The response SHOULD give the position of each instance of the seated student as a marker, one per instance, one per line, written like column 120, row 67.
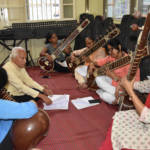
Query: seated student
column 9, row 111
column 81, row 71
column 52, row 44
column 108, row 83
column 20, row 85
column 130, row 129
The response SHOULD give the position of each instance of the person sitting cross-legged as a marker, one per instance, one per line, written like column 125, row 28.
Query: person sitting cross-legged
column 20, row 85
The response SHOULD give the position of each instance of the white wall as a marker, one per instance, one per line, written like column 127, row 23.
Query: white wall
column 17, row 13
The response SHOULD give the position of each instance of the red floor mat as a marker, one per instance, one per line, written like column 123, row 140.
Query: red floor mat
column 74, row 129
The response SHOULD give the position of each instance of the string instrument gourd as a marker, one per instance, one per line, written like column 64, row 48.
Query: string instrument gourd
column 27, row 133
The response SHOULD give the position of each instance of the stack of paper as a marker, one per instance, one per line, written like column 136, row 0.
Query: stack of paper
column 81, row 103
column 59, row 102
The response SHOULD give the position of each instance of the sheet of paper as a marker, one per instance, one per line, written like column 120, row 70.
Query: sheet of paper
column 81, row 103
column 59, row 102
column 63, row 64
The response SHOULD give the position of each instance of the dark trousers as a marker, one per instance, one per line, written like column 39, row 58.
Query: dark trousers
column 25, row 98
column 60, row 68
column 7, row 143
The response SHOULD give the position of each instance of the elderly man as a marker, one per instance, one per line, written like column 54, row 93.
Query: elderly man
column 20, row 84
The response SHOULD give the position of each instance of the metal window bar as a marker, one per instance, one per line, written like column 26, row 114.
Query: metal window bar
column 36, row 10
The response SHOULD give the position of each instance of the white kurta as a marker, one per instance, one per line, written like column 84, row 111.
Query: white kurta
column 81, row 71
column 81, row 74
column 130, row 130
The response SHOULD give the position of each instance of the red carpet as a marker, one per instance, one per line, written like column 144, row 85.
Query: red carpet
column 74, row 129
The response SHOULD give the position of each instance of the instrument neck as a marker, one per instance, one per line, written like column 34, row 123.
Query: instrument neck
column 71, row 37
column 116, row 64
column 140, row 49
column 100, row 43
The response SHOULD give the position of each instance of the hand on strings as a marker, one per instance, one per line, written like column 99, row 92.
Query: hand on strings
column 68, row 50
column 118, row 88
column 85, row 58
column 108, row 72
column 50, row 58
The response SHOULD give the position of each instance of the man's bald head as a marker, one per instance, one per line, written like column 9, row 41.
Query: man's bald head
column 18, row 56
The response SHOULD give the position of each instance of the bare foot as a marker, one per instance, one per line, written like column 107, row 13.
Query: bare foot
column 83, row 86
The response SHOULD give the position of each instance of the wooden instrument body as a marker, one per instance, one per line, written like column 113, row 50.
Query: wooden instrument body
column 73, row 65
column 141, row 51
column 26, row 133
column 47, row 65
column 113, row 32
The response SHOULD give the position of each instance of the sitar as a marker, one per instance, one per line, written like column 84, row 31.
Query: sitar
column 27, row 133
column 111, row 66
column 112, row 33
column 48, row 65
column 125, row 102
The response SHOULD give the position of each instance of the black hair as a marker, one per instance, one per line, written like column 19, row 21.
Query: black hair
column 106, row 49
column 49, row 35
column 3, row 78
column 90, row 37
column 99, row 18
column 115, row 43
column 144, row 68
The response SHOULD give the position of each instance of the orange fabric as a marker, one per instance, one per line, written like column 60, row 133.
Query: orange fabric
column 121, row 72
column 105, row 60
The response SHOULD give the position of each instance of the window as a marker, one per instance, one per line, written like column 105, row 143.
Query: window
column 49, row 9
column 146, row 7
column 117, row 8
column 4, row 16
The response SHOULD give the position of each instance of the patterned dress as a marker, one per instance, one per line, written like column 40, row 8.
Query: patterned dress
column 130, row 130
